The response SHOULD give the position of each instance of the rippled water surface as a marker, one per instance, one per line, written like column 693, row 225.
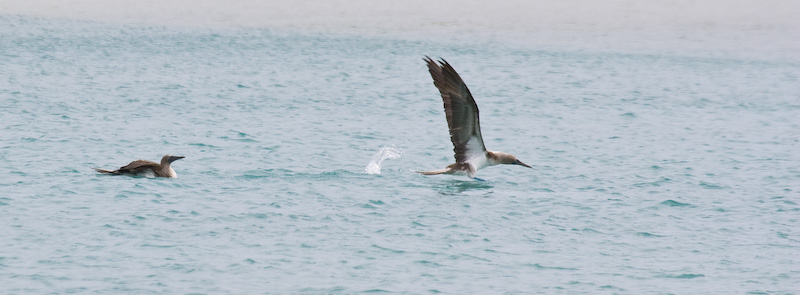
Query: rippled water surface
column 653, row 173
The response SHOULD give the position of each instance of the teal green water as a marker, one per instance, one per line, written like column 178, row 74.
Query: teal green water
column 653, row 173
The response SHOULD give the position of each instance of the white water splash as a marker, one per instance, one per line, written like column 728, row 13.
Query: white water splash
column 374, row 166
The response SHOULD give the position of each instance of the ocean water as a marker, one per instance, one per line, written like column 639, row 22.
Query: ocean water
column 653, row 172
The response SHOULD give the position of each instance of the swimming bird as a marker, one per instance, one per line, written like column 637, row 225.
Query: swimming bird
column 465, row 129
column 146, row 168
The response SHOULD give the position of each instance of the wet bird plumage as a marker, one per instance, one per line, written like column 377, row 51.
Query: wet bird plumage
column 147, row 168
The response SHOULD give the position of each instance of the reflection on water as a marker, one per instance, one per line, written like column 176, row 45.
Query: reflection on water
column 459, row 186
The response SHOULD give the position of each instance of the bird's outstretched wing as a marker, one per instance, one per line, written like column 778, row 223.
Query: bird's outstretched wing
column 460, row 109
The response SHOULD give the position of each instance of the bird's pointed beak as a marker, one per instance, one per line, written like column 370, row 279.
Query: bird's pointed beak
column 175, row 158
column 518, row 162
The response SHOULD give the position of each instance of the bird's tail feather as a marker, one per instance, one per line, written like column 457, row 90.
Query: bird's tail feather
column 105, row 171
column 434, row 172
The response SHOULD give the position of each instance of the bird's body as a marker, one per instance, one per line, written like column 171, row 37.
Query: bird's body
column 144, row 168
column 464, row 123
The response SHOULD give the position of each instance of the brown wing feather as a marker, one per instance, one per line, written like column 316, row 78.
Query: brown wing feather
column 139, row 165
column 459, row 107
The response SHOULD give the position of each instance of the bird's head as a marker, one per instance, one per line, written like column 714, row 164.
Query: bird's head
column 170, row 158
column 508, row 159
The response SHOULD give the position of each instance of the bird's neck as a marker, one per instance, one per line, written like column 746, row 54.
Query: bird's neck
column 167, row 170
column 496, row 158
column 492, row 158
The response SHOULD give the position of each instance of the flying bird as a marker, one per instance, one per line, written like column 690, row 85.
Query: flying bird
column 465, row 129
column 147, row 168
